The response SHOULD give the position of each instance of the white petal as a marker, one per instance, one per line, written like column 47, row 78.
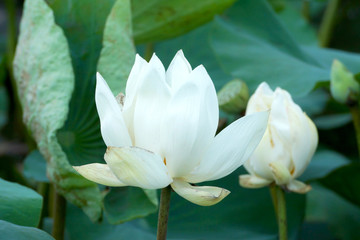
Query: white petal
column 138, row 167
column 211, row 105
column 151, row 104
column 113, row 128
column 178, row 71
column 305, row 144
column 179, row 133
column 133, row 80
column 157, row 64
column 190, row 123
column 203, row 195
column 252, row 181
column 261, row 100
column 231, row 148
column 99, row 173
column 298, row 187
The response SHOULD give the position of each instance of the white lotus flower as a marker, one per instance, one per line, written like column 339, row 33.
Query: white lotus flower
column 288, row 145
column 163, row 132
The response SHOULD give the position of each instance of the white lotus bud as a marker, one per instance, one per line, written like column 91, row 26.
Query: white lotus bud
column 287, row 146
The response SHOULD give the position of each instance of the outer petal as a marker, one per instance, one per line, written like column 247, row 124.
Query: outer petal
column 178, row 71
column 134, row 76
column 261, row 100
column 113, row 128
column 190, row 123
column 151, row 103
column 99, row 173
column 298, row 187
column 231, row 148
column 203, row 195
column 138, row 167
column 305, row 146
column 252, row 181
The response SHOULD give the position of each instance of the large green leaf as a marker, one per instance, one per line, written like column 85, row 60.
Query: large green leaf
column 196, row 48
column 118, row 52
column 244, row 214
column 155, row 20
column 35, row 167
column 99, row 38
column 83, row 25
column 323, row 162
column 127, row 203
column 345, row 181
column 263, row 50
column 327, row 56
column 19, row 204
column 11, row 231
column 45, row 79
column 291, row 16
column 340, row 216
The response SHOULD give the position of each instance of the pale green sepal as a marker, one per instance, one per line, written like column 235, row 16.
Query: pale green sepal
column 298, row 187
column 200, row 195
column 251, row 181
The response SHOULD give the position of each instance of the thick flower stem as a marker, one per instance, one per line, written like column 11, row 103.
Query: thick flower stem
column 355, row 112
column 280, row 210
column 59, row 211
column 163, row 213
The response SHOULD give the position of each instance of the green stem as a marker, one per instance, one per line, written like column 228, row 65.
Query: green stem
column 163, row 213
column 328, row 23
column 274, row 197
column 305, row 10
column 280, row 209
column 42, row 189
column 149, row 50
column 355, row 112
column 59, row 211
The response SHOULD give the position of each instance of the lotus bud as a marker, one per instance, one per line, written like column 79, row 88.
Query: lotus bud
column 233, row 97
column 344, row 88
column 287, row 146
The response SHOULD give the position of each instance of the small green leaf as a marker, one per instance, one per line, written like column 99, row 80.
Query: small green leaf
column 345, row 181
column 11, row 231
column 19, row 204
column 127, row 203
column 35, row 167
column 155, row 20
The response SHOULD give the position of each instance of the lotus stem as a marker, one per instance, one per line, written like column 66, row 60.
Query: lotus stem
column 280, row 210
column 163, row 213
column 328, row 23
column 355, row 112
column 59, row 212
